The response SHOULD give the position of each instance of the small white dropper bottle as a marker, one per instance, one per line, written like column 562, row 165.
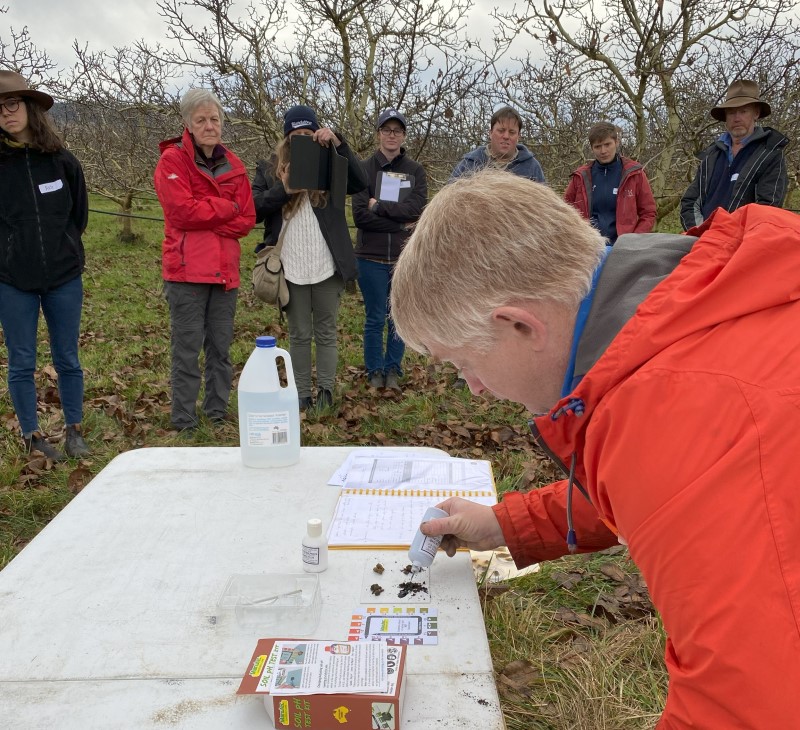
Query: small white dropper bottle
column 423, row 548
column 315, row 548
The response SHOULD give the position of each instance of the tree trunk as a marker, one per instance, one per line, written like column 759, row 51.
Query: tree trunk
column 126, row 235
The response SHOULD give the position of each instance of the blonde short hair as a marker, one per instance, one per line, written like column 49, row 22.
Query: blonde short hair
column 484, row 241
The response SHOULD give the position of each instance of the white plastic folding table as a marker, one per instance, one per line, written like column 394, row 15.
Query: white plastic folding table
column 108, row 618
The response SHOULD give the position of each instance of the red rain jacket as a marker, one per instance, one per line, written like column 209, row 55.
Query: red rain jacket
column 204, row 216
column 689, row 447
column 636, row 206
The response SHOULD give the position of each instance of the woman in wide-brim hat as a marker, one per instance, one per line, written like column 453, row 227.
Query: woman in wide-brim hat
column 43, row 212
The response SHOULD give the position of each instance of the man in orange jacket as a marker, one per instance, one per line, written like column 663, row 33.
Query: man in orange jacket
column 667, row 374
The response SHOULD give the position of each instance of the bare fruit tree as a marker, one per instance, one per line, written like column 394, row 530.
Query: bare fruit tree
column 347, row 58
column 19, row 53
column 647, row 58
column 120, row 107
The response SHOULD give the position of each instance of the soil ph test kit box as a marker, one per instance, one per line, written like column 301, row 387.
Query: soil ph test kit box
column 323, row 684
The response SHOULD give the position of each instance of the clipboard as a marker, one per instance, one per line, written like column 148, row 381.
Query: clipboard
column 393, row 187
column 314, row 167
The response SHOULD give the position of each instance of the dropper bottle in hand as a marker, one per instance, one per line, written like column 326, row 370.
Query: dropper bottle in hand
column 423, row 548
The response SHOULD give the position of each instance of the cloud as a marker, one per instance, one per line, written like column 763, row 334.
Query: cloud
column 54, row 24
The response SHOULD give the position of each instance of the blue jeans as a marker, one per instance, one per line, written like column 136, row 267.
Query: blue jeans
column 19, row 317
column 375, row 282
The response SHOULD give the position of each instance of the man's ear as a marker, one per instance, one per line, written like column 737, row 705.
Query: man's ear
column 522, row 321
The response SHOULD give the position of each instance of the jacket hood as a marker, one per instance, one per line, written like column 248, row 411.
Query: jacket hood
column 742, row 262
column 481, row 154
column 172, row 142
column 629, row 166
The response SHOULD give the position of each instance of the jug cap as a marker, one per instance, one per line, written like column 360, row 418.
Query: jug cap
column 265, row 341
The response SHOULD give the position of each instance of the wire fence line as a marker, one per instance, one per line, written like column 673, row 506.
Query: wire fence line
column 146, row 217
column 125, row 215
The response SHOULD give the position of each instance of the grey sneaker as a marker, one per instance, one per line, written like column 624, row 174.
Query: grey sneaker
column 393, row 381
column 37, row 442
column 377, row 380
column 75, row 445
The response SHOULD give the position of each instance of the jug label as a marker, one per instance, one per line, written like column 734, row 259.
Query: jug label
column 268, row 429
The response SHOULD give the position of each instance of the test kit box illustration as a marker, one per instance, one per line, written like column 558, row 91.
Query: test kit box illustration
column 321, row 685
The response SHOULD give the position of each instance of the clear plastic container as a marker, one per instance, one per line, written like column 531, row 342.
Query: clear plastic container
column 285, row 603
column 269, row 413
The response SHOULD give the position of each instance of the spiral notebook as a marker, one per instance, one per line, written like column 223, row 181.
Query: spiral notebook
column 383, row 500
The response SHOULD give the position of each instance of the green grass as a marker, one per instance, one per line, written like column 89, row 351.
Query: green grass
column 592, row 667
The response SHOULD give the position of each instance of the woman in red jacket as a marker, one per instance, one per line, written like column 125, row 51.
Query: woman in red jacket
column 613, row 192
column 208, row 205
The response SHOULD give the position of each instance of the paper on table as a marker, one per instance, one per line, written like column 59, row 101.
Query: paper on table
column 340, row 475
column 402, row 474
column 384, row 518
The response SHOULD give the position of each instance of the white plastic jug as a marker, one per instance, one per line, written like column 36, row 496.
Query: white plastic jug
column 269, row 414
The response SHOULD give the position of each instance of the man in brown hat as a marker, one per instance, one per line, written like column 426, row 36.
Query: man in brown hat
column 745, row 165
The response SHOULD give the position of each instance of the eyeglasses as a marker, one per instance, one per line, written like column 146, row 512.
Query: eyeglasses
column 393, row 131
column 10, row 105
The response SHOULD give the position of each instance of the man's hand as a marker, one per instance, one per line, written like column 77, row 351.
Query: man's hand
column 469, row 525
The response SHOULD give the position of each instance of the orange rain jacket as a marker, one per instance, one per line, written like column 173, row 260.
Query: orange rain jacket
column 689, row 448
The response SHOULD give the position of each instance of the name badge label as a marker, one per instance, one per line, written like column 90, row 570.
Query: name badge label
column 51, row 187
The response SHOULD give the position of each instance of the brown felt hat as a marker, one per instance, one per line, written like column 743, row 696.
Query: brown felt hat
column 740, row 93
column 13, row 84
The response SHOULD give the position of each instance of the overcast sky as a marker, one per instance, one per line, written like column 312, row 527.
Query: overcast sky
column 54, row 24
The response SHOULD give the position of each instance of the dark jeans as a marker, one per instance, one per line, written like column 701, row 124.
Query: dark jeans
column 312, row 312
column 19, row 316
column 201, row 317
column 375, row 282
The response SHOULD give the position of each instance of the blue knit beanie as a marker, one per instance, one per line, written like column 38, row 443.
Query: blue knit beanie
column 299, row 117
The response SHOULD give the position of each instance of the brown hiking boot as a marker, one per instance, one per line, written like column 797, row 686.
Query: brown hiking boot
column 36, row 442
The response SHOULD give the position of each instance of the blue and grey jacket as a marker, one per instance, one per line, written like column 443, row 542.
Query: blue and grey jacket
column 524, row 164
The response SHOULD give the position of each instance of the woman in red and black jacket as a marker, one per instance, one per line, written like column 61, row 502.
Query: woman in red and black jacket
column 613, row 192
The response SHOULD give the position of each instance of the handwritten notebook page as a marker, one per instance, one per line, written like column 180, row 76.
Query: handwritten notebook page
column 384, row 499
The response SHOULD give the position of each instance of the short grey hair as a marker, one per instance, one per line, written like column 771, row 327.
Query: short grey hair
column 484, row 241
column 195, row 98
